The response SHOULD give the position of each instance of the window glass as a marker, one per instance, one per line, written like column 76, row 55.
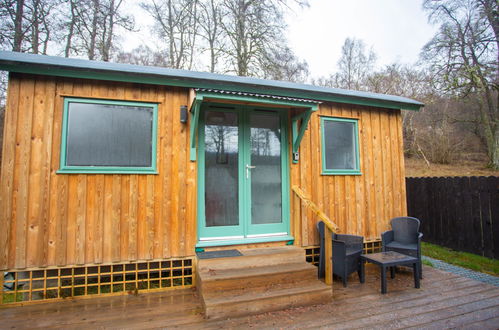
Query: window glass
column 340, row 149
column 109, row 134
column 221, row 134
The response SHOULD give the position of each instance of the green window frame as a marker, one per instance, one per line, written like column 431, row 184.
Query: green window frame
column 64, row 168
column 338, row 171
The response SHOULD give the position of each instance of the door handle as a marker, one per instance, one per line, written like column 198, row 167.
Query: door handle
column 248, row 168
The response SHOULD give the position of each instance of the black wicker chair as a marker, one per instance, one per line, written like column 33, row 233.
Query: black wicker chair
column 346, row 254
column 404, row 238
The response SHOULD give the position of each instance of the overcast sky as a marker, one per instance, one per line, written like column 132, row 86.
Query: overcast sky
column 395, row 29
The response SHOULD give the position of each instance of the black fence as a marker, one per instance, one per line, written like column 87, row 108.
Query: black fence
column 461, row 213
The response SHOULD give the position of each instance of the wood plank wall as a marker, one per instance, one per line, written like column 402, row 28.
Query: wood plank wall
column 358, row 204
column 50, row 219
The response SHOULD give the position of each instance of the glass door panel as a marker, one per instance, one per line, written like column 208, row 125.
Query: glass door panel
column 221, row 174
column 266, row 181
column 268, row 168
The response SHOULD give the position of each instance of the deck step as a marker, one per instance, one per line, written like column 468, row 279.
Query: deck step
column 261, row 280
column 247, row 303
column 255, row 257
column 256, row 277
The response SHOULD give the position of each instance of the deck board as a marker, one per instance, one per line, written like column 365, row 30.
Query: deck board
column 445, row 300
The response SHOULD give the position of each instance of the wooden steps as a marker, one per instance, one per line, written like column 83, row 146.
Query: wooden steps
column 261, row 280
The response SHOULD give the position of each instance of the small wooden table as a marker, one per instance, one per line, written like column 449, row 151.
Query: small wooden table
column 390, row 259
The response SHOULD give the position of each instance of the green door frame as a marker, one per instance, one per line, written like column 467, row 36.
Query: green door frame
column 245, row 232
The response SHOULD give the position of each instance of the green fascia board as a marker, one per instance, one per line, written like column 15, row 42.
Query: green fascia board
column 78, row 68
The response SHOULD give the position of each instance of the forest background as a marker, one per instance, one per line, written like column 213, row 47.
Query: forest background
column 456, row 76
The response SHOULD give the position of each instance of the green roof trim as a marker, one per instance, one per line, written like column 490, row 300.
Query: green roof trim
column 79, row 68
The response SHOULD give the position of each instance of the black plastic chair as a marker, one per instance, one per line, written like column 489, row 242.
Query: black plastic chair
column 346, row 254
column 404, row 238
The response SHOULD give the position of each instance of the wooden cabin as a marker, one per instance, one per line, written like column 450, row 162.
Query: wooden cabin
column 115, row 169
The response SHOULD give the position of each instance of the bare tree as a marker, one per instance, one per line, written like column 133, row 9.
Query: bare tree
column 210, row 31
column 251, row 27
column 18, row 26
column 176, row 24
column 143, row 55
column 463, row 57
column 27, row 25
column 12, row 29
column 282, row 64
column 91, row 26
column 404, row 80
column 354, row 65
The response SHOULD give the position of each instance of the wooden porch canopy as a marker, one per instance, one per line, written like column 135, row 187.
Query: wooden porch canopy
column 299, row 121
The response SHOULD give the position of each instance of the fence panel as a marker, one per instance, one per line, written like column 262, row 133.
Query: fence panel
column 461, row 213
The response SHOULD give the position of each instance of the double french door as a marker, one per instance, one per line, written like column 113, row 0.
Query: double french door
column 243, row 191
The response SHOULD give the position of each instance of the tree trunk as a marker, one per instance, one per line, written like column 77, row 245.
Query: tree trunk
column 494, row 154
column 93, row 33
column 18, row 26
column 69, row 38
column 213, row 59
column 106, row 52
column 35, row 28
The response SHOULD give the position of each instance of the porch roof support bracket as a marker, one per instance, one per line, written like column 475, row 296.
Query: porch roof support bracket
column 298, row 132
column 194, row 122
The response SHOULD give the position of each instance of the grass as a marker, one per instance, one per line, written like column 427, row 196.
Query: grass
column 475, row 166
column 11, row 297
column 462, row 259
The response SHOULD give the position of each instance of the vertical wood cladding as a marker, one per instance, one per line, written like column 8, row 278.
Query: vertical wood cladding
column 50, row 219
column 358, row 204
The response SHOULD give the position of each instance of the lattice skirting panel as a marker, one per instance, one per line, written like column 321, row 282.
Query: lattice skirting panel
column 372, row 246
column 43, row 284
column 312, row 252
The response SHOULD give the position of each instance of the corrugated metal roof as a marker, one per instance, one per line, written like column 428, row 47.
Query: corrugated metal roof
column 263, row 96
column 79, row 68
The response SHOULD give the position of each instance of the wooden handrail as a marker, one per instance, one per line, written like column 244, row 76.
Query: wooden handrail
column 311, row 205
column 330, row 227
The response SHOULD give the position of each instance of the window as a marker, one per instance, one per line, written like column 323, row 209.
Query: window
column 101, row 136
column 340, row 146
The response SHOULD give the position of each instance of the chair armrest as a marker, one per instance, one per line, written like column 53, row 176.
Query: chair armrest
column 339, row 249
column 420, row 236
column 386, row 238
column 351, row 241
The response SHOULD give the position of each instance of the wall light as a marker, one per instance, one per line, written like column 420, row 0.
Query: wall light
column 183, row 114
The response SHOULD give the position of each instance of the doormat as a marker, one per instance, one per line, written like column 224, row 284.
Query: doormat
column 218, row 254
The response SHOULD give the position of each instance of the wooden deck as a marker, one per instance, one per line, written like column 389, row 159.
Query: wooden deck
column 444, row 301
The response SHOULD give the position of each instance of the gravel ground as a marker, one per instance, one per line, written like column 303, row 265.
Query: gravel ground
column 482, row 277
